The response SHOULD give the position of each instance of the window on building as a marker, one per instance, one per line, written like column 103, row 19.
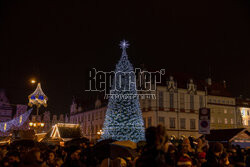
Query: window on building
column 201, row 101
column 192, row 123
column 172, row 122
column 182, row 101
column 171, row 99
column 247, row 112
column 219, row 121
column 88, row 129
column 225, row 111
column 183, row 123
column 243, row 112
column 232, row 121
column 162, row 121
column 225, row 120
column 96, row 115
column 191, row 102
column 212, row 119
column 149, row 121
column 92, row 129
column 100, row 114
column 245, row 122
column 219, row 101
column 161, row 99
column 209, row 100
column 149, row 103
column 248, row 122
column 143, row 102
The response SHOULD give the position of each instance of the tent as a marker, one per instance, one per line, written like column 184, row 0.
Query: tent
column 239, row 136
column 62, row 132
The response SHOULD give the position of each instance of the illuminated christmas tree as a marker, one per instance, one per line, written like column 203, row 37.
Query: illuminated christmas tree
column 123, row 119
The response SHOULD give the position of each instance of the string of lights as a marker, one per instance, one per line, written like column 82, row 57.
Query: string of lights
column 16, row 122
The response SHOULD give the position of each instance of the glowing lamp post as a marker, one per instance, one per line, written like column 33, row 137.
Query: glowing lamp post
column 38, row 98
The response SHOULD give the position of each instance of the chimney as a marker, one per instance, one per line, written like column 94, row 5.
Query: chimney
column 209, row 81
column 224, row 84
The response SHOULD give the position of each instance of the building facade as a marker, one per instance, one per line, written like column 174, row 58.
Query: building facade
column 243, row 108
column 175, row 106
column 91, row 121
column 222, row 106
column 223, row 112
column 5, row 107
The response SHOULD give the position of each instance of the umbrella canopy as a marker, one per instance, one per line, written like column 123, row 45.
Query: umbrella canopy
column 102, row 149
column 126, row 143
column 121, row 151
column 24, row 143
column 77, row 141
column 104, row 142
column 110, row 150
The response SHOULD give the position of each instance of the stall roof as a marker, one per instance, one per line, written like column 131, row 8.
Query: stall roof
column 227, row 135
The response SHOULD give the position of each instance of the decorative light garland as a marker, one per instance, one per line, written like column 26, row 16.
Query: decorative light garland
column 16, row 122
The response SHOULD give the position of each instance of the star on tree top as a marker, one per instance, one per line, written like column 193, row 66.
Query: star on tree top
column 124, row 44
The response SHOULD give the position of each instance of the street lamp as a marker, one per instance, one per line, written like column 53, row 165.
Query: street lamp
column 38, row 99
column 36, row 124
column 33, row 81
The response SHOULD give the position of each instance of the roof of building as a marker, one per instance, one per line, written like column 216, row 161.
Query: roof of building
column 243, row 102
column 224, row 135
column 217, row 88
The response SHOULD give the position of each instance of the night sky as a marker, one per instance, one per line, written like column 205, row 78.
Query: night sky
column 58, row 41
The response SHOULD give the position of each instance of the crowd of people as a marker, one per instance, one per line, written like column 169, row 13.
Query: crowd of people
column 157, row 151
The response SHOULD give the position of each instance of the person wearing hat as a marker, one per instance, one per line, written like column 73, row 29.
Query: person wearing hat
column 201, row 159
column 185, row 160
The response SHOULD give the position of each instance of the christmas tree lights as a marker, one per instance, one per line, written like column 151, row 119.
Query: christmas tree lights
column 123, row 120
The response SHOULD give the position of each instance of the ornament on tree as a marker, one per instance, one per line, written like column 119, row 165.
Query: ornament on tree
column 123, row 120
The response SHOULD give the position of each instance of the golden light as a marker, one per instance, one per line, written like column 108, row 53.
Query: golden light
column 31, row 124
column 100, row 132
column 42, row 124
column 33, row 81
column 34, row 124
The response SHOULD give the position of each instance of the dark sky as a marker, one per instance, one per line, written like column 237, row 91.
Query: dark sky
column 57, row 41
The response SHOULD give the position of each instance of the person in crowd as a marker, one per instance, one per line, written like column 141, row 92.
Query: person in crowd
column 73, row 158
column 213, row 159
column 51, row 159
column 153, row 154
column 224, row 162
column 33, row 159
column 171, row 156
column 14, row 158
column 184, row 159
column 201, row 159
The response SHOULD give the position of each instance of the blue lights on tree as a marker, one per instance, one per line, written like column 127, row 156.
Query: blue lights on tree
column 123, row 120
